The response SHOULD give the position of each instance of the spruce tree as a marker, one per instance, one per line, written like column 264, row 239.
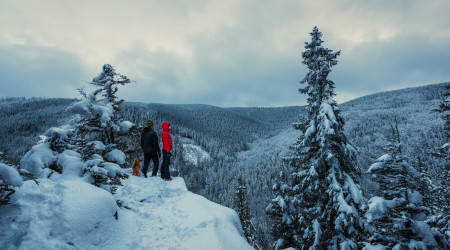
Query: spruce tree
column 108, row 81
column 243, row 210
column 398, row 182
column 326, row 202
column 284, row 229
column 100, row 132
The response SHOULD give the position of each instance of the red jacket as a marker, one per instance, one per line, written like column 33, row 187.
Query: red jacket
column 166, row 138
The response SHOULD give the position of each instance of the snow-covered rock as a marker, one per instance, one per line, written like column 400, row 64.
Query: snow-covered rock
column 72, row 214
column 171, row 217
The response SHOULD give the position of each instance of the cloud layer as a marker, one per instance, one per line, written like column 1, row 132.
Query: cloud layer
column 225, row 53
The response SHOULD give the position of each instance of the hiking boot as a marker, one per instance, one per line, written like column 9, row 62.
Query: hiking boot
column 168, row 179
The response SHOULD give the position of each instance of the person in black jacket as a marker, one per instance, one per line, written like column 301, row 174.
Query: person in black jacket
column 150, row 146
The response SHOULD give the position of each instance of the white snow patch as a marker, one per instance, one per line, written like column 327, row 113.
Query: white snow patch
column 113, row 169
column 62, row 133
column 354, row 190
column 38, row 159
column 427, row 235
column 385, row 158
column 415, row 198
column 376, row 166
column 9, row 176
column 116, row 156
column 72, row 164
column 378, row 206
column 64, row 215
column 99, row 145
column 369, row 246
column 126, row 125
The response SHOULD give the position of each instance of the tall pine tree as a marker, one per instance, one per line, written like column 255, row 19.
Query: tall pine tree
column 399, row 213
column 326, row 202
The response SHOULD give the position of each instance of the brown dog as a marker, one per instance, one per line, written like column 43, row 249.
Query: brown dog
column 136, row 167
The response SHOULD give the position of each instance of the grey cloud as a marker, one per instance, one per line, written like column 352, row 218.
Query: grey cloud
column 405, row 61
column 39, row 71
column 249, row 54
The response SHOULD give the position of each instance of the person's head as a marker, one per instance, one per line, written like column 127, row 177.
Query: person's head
column 166, row 126
column 150, row 123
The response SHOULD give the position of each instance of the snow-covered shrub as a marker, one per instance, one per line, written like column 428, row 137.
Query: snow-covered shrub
column 9, row 180
column 103, row 173
column 90, row 143
column 38, row 160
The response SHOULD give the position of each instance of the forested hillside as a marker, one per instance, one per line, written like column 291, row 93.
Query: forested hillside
column 250, row 142
column 22, row 120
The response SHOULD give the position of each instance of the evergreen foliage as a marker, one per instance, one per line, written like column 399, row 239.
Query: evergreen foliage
column 6, row 190
column 398, row 182
column 441, row 191
column 284, row 227
column 243, row 211
column 326, row 202
column 100, row 128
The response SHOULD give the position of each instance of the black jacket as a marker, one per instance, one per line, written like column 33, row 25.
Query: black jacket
column 149, row 141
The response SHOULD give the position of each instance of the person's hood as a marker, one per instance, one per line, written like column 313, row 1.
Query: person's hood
column 165, row 126
column 146, row 129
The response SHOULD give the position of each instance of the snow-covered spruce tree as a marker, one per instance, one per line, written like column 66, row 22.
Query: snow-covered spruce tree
column 100, row 132
column 90, row 144
column 441, row 190
column 326, row 202
column 284, row 229
column 399, row 213
column 243, row 210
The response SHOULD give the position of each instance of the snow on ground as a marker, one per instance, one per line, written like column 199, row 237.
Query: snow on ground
column 45, row 214
column 72, row 214
column 171, row 217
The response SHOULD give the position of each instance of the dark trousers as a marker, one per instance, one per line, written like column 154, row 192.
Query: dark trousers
column 165, row 174
column 154, row 157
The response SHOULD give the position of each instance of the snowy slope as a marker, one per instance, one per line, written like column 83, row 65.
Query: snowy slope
column 71, row 214
column 193, row 153
column 171, row 217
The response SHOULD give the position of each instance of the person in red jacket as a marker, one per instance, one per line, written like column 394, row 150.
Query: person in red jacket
column 167, row 147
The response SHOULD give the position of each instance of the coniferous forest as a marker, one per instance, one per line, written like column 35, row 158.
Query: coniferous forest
column 370, row 172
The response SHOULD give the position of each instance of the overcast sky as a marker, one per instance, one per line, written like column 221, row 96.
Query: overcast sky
column 223, row 53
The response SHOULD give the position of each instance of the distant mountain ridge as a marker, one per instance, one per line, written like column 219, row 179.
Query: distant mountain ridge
column 20, row 124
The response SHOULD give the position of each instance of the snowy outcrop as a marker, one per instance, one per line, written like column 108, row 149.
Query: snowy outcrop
column 155, row 214
column 171, row 217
